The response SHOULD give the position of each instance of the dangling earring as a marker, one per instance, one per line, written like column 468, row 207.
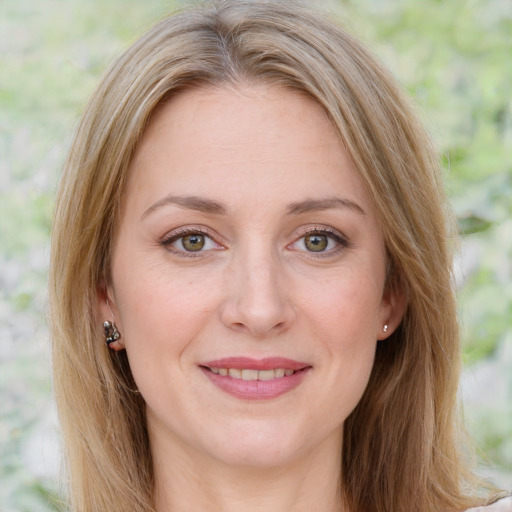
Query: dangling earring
column 111, row 332
column 385, row 328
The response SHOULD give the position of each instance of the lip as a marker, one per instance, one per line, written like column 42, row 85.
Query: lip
column 256, row 389
column 267, row 363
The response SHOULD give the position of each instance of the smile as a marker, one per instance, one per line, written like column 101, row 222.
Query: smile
column 249, row 374
column 253, row 379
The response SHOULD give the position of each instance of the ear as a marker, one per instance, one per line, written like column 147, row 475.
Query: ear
column 393, row 306
column 107, row 310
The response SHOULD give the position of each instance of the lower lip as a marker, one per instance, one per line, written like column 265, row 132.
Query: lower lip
column 256, row 389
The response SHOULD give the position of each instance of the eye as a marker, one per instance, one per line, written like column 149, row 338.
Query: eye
column 320, row 241
column 193, row 243
column 316, row 243
column 189, row 241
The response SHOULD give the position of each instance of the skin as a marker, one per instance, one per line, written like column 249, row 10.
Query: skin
column 274, row 166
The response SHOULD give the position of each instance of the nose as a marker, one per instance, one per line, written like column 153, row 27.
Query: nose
column 257, row 298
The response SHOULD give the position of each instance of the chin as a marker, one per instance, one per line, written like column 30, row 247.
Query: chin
column 260, row 444
column 256, row 456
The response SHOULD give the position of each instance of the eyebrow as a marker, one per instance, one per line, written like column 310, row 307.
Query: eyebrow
column 204, row 205
column 312, row 205
column 199, row 204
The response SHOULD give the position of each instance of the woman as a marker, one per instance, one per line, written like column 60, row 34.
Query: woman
column 252, row 304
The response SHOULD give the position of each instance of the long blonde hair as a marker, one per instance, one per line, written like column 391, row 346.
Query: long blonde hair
column 401, row 446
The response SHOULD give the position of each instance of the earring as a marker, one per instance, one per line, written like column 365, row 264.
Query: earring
column 111, row 332
column 385, row 328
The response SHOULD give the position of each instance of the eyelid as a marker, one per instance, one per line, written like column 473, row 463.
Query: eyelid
column 323, row 230
column 172, row 236
column 318, row 228
column 342, row 240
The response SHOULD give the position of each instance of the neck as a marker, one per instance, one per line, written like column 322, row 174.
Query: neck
column 197, row 482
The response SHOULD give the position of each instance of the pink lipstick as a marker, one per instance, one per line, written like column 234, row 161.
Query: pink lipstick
column 255, row 379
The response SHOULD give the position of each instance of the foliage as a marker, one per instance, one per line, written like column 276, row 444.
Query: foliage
column 52, row 53
column 453, row 56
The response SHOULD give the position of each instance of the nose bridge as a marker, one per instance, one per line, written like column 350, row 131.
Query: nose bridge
column 261, row 274
column 257, row 300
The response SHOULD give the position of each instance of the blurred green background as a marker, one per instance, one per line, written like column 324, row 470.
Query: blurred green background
column 454, row 56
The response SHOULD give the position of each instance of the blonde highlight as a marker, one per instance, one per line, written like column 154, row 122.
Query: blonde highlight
column 400, row 449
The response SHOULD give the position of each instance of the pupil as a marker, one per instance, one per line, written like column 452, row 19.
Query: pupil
column 316, row 243
column 193, row 242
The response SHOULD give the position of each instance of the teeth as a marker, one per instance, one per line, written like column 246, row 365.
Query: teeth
column 267, row 375
column 249, row 374
column 236, row 374
column 246, row 374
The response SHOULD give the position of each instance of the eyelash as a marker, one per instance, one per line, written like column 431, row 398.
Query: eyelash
column 341, row 241
column 183, row 232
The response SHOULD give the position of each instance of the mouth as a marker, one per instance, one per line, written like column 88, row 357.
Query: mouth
column 255, row 379
column 249, row 374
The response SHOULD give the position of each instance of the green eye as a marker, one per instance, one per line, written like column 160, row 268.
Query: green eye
column 190, row 241
column 193, row 243
column 316, row 243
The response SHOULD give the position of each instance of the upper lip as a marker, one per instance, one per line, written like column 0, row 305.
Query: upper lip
column 267, row 363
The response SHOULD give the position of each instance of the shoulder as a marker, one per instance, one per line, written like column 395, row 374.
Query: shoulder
column 503, row 505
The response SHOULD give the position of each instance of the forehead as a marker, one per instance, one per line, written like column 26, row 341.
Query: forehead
column 227, row 116
column 219, row 140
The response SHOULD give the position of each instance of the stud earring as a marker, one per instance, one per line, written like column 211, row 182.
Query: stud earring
column 385, row 328
column 111, row 332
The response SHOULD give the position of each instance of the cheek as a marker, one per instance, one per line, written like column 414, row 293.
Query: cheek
column 349, row 305
column 161, row 310
column 346, row 318
column 162, row 315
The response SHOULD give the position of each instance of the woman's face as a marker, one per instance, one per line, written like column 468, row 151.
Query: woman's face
column 248, row 277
